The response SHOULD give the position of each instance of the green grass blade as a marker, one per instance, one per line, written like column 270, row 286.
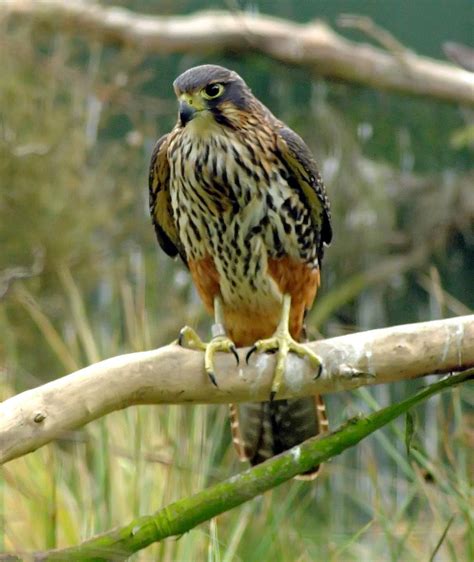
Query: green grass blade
column 183, row 515
column 441, row 538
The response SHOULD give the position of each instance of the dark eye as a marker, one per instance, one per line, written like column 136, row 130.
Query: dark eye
column 212, row 91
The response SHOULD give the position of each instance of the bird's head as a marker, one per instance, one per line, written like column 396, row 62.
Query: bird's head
column 210, row 95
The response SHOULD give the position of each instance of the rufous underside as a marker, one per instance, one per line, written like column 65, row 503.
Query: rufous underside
column 246, row 325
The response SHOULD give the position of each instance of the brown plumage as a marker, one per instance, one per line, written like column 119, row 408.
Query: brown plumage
column 238, row 196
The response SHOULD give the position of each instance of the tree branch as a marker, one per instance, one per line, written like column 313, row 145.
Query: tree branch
column 173, row 375
column 185, row 514
column 313, row 45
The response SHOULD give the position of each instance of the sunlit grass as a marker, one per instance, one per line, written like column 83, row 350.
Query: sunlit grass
column 72, row 185
column 136, row 461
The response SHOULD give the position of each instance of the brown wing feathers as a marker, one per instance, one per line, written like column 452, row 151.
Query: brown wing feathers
column 160, row 202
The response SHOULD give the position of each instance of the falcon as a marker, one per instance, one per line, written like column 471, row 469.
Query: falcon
column 237, row 195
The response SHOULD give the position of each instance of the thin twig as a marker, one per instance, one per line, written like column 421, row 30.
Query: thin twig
column 374, row 31
column 12, row 274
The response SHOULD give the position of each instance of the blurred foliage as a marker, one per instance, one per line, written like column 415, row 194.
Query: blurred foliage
column 77, row 124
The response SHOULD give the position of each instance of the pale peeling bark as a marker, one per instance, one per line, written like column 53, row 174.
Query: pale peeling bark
column 314, row 45
column 172, row 375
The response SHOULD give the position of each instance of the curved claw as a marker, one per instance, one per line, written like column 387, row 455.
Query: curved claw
column 252, row 350
column 213, row 379
column 236, row 355
column 319, row 372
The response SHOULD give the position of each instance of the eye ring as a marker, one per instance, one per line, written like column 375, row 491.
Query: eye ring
column 212, row 91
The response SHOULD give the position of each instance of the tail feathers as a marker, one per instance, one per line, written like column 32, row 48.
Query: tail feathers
column 261, row 430
column 323, row 427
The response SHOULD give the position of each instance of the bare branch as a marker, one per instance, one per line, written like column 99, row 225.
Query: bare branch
column 172, row 375
column 313, row 45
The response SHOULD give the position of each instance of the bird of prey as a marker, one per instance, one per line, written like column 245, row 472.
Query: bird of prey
column 237, row 195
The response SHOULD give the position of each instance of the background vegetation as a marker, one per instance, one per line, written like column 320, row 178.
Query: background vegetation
column 81, row 279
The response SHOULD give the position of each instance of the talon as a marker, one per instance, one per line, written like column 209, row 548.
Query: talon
column 252, row 350
column 234, row 351
column 219, row 343
column 216, row 345
column 188, row 338
column 319, row 372
column 283, row 344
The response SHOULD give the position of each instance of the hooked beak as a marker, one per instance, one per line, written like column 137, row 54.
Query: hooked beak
column 186, row 112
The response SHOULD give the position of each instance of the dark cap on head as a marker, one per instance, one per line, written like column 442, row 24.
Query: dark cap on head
column 200, row 76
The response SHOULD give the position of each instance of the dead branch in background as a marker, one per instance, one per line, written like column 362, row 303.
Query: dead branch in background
column 313, row 45
column 173, row 375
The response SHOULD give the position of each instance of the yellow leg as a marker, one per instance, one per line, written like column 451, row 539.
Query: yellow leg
column 220, row 342
column 283, row 343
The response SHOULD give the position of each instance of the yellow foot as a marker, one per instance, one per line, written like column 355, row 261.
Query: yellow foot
column 283, row 343
column 220, row 342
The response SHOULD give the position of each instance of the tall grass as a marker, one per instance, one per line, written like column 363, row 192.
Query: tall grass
column 136, row 461
column 77, row 123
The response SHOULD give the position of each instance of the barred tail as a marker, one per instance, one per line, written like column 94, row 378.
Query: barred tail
column 261, row 430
